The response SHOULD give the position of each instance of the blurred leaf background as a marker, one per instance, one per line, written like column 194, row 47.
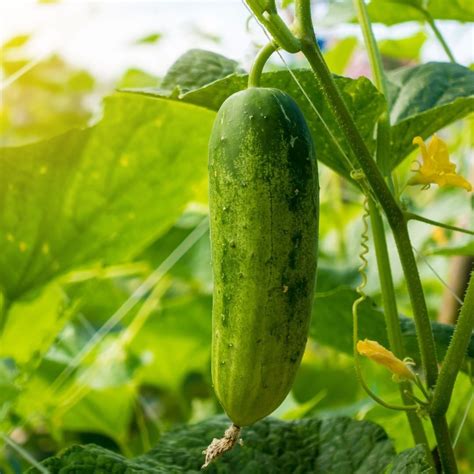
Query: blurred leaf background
column 105, row 279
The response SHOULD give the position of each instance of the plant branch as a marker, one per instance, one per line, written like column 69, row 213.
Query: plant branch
column 416, row 217
column 455, row 354
column 445, row 449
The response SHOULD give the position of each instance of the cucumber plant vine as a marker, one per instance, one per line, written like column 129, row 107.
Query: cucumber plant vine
column 300, row 37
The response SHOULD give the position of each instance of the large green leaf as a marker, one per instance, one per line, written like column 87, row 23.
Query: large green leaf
column 391, row 12
column 426, row 98
column 102, row 194
column 398, row 11
column 333, row 445
column 363, row 100
column 332, row 324
column 196, row 68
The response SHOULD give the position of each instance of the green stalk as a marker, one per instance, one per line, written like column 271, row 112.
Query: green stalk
column 439, row 36
column 371, row 46
column 445, row 446
column 455, row 354
column 267, row 14
column 259, row 63
column 447, row 377
column 383, row 125
column 392, row 322
column 4, row 306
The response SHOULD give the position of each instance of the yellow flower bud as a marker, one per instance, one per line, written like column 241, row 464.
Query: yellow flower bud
column 376, row 352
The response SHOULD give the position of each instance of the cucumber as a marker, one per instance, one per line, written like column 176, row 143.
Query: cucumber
column 264, row 209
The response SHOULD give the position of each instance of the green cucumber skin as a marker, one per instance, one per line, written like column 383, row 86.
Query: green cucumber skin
column 264, row 212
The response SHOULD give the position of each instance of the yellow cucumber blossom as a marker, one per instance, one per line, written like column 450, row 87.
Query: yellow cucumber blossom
column 436, row 167
column 376, row 352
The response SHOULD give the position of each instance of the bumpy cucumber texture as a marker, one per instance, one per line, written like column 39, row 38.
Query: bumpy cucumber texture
column 263, row 193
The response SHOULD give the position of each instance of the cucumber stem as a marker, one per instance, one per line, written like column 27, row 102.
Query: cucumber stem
column 220, row 446
column 259, row 63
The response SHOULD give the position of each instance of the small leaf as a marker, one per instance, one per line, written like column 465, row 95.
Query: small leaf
column 408, row 48
column 15, row 42
column 152, row 38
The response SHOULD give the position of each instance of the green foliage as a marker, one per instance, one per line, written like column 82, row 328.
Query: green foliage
column 137, row 78
column 413, row 110
column 338, row 57
column 467, row 249
column 360, row 94
column 391, row 12
column 176, row 341
column 152, row 38
column 398, row 11
column 50, row 311
column 411, row 460
column 90, row 214
column 15, row 42
column 196, row 68
column 335, row 445
column 76, row 211
column 332, row 309
column 404, row 48
column 425, row 98
column 43, row 99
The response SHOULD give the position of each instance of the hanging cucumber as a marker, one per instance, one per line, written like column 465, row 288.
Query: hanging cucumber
column 263, row 196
